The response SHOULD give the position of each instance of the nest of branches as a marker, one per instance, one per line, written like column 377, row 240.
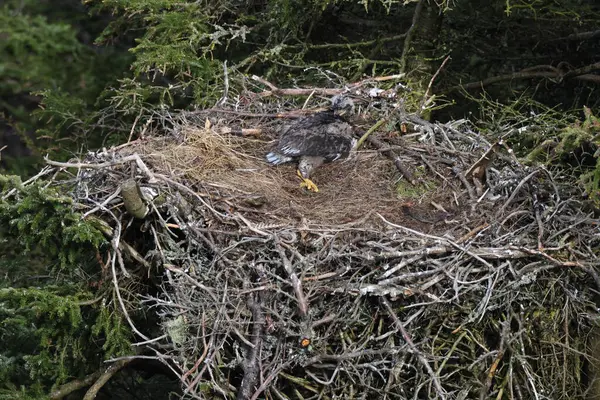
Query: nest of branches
column 431, row 265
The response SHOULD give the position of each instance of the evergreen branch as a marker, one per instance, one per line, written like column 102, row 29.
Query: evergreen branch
column 43, row 172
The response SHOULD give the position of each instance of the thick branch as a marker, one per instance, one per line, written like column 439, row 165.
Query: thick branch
column 104, row 377
column 97, row 380
column 408, row 41
column 73, row 386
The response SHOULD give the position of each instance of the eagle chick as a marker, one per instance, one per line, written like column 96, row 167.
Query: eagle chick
column 316, row 139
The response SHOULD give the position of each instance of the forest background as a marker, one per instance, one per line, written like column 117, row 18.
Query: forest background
column 78, row 76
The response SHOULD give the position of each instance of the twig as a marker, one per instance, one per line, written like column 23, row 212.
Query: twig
column 478, row 168
column 205, row 347
column 251, row 362
column 296, row 283
column 102, row 205
column 516, row 191
column 436, row 381
column 265, row 82
column 240, row 131
column 368, row 133
column 439, row 239
column 109, row 232
column 275, row 91
column 116, row 255
column 134, row 125
column 103, row 165
column 270, row 378
column 548, row 257
column 300, row 92
column 193, row 281
column 395, row 159
column 466, row 184
column 185, row 189
column 223, row 98
column 426, row 95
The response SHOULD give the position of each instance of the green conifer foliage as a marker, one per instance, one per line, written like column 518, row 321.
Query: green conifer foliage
column 52, row 329
column 46, row 55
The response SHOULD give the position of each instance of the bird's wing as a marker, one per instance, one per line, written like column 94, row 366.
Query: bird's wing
column 329, row 138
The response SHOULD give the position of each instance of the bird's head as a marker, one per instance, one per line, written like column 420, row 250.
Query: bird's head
column 342, row 105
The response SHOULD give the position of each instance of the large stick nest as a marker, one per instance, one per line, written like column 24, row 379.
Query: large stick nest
column 476, row 280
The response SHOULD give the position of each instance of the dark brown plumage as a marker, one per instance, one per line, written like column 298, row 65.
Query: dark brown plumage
column 316, row 139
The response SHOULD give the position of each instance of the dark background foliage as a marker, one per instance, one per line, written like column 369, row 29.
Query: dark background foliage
column 94, row 68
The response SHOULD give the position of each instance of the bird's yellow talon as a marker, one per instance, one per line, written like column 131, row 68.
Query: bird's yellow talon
column 307, row 183
column 310, row 185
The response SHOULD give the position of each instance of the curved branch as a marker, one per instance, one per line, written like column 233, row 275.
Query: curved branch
column 295, row 281
column 104, row 377
column 579, row 73
column 68, row 388
column 97, row 380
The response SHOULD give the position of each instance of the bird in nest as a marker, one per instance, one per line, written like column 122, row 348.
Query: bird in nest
column 316, row 139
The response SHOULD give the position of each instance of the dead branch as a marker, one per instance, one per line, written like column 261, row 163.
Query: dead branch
column 554, row 75
column 296, row 284
column 68, row 388
column 426, row 95
column 105, row 377
column 251, row 363
column 394, row 158
column 275, row 91
column 436, row 381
